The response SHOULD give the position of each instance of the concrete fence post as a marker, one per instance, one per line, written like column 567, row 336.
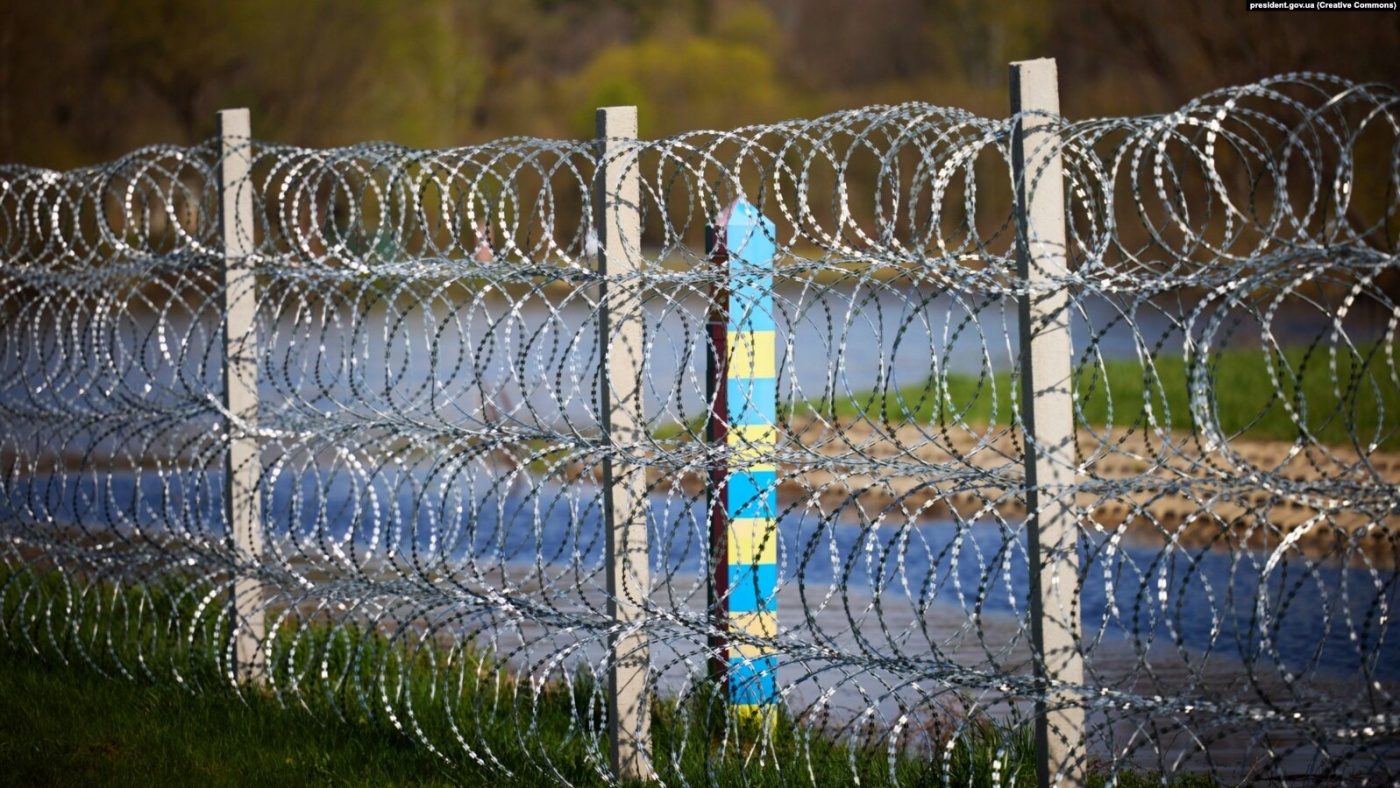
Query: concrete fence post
column 617, row 221
column 242, row 505
column 1047, row 413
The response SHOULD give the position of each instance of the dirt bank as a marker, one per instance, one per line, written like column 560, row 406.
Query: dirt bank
column 1341, row 502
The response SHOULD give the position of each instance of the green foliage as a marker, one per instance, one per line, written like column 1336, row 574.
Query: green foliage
column 696, row 82
column 708, row 744
column 70, row 726
column 1255, row 395
column 361, row 698
column 84, row 81
column 981, row 38
column 987, row 754
column 1351, row 395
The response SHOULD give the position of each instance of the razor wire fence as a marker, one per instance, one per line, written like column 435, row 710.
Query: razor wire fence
column 365, row 426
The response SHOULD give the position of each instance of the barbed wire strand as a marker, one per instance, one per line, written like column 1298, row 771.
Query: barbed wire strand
column 430, row 442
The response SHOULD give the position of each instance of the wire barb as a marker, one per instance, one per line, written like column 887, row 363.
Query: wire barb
column 430, row 445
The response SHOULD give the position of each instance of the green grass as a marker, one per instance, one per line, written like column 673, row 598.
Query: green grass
column 65, row 720
column 64, row 725
column 69, row 724
column 1249, row 393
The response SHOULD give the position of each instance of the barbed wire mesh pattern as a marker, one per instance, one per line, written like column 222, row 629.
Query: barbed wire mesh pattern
column 430, row 447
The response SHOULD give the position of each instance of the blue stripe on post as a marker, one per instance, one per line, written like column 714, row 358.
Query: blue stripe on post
column 753, row 494
column 749, row 237
column 751, row 304
column 754, row 681
column 752, row 401
column 753, row 588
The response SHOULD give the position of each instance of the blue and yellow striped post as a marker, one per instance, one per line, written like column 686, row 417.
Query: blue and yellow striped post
column 744, row 506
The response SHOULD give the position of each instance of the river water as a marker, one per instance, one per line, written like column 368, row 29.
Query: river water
column 1286, row 614
column 530, row 360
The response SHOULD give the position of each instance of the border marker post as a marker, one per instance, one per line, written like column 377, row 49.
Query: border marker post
column 746, row 536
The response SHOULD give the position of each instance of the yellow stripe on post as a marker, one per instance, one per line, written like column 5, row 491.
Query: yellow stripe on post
column 764, row 717
column 752, row 355
column 753, row 540
column 762, row 626
column 749, row 442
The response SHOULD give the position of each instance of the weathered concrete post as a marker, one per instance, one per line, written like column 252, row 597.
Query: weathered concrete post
column 617, row 220
column 1047, row 413
column 242, row 505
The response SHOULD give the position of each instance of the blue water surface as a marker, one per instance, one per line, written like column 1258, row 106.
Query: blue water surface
column 1303, row 615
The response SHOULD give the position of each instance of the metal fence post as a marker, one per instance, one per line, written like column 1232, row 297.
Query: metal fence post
column 1047, row 413
column 241, row 502
column 617, row 219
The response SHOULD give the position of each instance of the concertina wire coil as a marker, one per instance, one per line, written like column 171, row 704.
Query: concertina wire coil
column 430, row 446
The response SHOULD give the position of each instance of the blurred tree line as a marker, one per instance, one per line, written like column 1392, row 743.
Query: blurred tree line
column 82, row 81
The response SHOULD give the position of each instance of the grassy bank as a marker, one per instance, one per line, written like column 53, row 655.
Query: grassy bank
column 69, row 724
column 1251, row 395
column 62, row 725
